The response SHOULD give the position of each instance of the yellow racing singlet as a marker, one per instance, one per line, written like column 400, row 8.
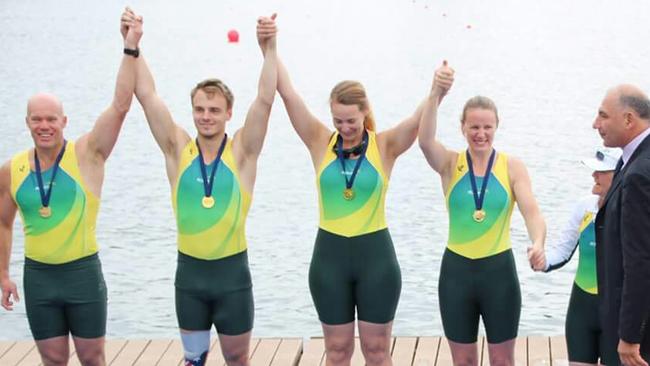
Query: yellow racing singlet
column 365, row 212
column 219, row 231
column 69, row 233
column 473, row 239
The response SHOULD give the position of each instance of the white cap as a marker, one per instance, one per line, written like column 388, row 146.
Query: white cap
column 604, row 160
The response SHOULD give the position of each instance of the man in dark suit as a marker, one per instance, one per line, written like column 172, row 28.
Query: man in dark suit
column 623, row 227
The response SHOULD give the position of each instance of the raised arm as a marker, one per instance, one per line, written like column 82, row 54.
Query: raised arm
column 523, row 193
column 313, row 133
column 102, row 138
column 438, row 157
column 251, row 135
column 167, row 134
column 7, row 214
column 398, row 139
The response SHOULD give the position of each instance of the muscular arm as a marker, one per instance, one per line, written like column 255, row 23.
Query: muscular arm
column 254, row 130
column 7, row 215
column 102, row 138
column 312, row 132
column 635, row 243
column 167, row 134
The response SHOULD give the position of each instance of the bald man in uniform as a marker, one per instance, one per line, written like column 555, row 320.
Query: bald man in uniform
column 56, row 186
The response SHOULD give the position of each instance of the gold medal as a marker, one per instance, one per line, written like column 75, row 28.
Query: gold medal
column 348, row 194
column 207, row 201
column 45, row 212
column 478, row 215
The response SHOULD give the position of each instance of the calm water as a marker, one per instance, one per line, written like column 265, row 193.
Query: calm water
column 547, row 64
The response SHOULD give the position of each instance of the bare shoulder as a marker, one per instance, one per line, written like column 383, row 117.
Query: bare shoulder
column 516, row 166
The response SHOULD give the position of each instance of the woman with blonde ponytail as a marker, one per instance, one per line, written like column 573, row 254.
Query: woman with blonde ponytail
column 354, row 267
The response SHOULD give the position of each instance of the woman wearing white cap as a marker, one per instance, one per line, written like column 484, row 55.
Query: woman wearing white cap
column 582, row 327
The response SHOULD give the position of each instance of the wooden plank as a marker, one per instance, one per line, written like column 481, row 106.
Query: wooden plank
column 265, row 352
column 130, row 352
column 521, row 351
column 5, row 346
column 559, row 355
column 255, row 342
column 112, row 348
column 288, row 352
column 444, row 353
column 173, row 355
column 426, row 351
column 215, row 356
column 404, row 351
column 153, row 352
column 357, row 356
column 313, row 353
column 33, row 358
column 539, row 352
column 17, row 352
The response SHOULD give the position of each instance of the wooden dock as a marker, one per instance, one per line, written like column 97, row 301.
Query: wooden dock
column 406, row 351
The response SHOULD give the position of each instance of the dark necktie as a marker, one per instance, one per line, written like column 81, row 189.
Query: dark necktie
column 619, row 165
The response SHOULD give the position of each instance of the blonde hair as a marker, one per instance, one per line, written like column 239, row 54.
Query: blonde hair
column 349, row 92
column 482, row 102
column 212, row 87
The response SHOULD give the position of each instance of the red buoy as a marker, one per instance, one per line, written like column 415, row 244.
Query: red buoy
column 233, row 36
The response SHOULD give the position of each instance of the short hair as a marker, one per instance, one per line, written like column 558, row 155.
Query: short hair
column 638, row 103
column 212, row 87
column 481, row 102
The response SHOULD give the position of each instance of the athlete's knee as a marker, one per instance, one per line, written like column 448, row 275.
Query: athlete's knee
column 465, row 360
column 236, row 358
column 376, row 351
column 501, row 360
column 464, row 355
column 339, row 351
column 92, row 358
column 54, row 359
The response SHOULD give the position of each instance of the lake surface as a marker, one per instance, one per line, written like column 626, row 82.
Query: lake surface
column 547, row 64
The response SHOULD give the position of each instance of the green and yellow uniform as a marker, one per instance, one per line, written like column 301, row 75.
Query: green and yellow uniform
column 64, row 287
column 354, row 262
column 213, row 282
column 478, row 270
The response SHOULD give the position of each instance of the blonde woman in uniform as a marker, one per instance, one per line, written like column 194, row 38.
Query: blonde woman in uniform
column 478, row 278
column 353, row 266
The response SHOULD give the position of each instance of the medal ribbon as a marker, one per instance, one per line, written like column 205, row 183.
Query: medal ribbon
column 478, row 198
column 45, row 196
column 341, row 158
column 207, row 184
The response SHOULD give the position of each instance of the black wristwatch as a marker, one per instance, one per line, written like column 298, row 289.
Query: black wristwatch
column 135, row 52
